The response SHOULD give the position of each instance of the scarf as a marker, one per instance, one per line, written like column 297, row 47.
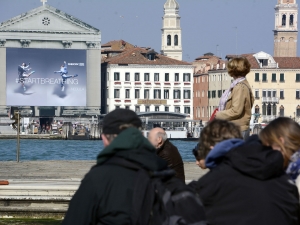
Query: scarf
column 227, row 93
column 293, row 169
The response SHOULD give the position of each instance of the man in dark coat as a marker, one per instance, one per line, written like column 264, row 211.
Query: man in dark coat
column 106, row 193
column 246, row 184
column 167, row 151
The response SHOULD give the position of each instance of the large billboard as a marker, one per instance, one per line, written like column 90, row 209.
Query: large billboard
column 45, row 77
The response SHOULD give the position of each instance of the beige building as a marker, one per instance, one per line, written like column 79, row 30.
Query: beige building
column 286, row 31
column 275, row 85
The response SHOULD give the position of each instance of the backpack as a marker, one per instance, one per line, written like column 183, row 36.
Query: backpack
column 162, row 199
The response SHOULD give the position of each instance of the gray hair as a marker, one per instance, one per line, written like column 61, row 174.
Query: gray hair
column 162, row 135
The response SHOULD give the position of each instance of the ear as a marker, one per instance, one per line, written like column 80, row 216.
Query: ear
column 282, row 140
column 105, row 140
column 211, row 147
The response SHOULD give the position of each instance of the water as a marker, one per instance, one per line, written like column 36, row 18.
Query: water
column 31, row 150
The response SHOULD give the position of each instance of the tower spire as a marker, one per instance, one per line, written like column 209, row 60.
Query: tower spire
column 171, row 31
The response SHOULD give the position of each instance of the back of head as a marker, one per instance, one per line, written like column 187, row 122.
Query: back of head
column 238, row 67
column 119, row 119
column 215, row 132
column 283, row 132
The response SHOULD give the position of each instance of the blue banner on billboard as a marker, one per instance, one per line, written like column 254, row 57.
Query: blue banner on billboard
column 45, row 77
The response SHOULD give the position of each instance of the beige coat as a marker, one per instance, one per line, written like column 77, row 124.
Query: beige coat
column 238, row 106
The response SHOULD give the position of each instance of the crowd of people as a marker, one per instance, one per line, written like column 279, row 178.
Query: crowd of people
column 251, row 179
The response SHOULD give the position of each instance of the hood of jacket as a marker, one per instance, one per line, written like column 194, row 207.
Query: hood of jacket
column 255, row 160
column 216, row 155
column 133, row 146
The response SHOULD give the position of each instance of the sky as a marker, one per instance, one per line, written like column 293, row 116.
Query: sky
column 219, row 26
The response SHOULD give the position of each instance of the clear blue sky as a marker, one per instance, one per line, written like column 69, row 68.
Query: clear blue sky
column 205, row 23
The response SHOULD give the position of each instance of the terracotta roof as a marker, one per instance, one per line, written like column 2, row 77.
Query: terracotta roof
column 206, row 57
column 288, row 62
column 252, row 60
column 117, row 45
column 138, row 56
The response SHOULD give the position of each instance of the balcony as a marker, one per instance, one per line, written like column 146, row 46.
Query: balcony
column 268, row 118
column 270, row 100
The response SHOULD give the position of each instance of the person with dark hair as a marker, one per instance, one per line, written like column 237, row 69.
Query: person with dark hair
column 124, row 186
column 283, row 134
column 246, row 183
column 236, row 103
column 167, row 151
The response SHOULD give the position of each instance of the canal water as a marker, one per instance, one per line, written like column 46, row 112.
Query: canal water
column 31, row 150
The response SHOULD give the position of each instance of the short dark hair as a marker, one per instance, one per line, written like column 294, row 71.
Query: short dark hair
column 215, row 132
column 238, row 67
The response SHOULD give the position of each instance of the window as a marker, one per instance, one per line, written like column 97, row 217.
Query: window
column 264, row 109
column 256, row 94
column 156, row 93
column 127, row 107
column 117, row 106
column 156, row 77
column 264, row 77
column 146, row 94
column 156, row 108
column 147, row 108
column 146, row 77
column 166, row 94
column 256, row 109
column 169, row 42
column 274, row 94
column 187, row 77
column 137, row 108
column 213, row 94
column 116, row 76
column 176, row 94
column 137, row 76
column 274, row 109
column 298, row 111
column 264, row 93
column 297, row 94
column 117, row 93
column 256, row 77
column 282, row 77
column 273, row 77
column 166, row 77
column 137, row 93
column 166, row 108
column 177, row 109
column 187, row 110
column 269, row 109
column 269, row 92
column 219, row 93
column 127, row 76
column 176, row 76
column 187, row 94
column 283, row 22
column 208, row 94
column 127, row 93
column 176, row 40
column 281, row 111
column 298, row 77
column 281, row 94
column 291, row 20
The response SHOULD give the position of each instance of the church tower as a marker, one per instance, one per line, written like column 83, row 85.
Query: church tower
column 171, row 31
column 286, row 30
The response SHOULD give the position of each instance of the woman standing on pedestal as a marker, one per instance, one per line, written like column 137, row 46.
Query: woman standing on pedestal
column 236, row 102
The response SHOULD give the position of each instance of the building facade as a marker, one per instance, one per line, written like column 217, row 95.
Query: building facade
column 144, row 81
column 46, row 27
column 275, row 85
column 286, row 31
column 171, row 31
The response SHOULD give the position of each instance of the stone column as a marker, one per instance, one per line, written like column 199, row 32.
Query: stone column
column 93, row 93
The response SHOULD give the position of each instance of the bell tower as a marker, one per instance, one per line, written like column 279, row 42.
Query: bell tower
column 286, row 28
column 171, row 31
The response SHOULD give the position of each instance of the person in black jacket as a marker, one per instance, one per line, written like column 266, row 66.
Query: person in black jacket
column 167, row 151
column 107, row 192
column 246, row 183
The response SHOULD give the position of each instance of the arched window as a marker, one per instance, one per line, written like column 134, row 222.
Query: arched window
column 169, row 40
column 264, row 109
column 281, row 111
column 176, row 40
column 298, row 111
column 256, row 109
column 283, row 20
column 269, row 110
column 291, row 20
column 274, row 110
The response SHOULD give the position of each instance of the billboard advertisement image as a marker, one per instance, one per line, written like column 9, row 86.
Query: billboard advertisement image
column 45, row 77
